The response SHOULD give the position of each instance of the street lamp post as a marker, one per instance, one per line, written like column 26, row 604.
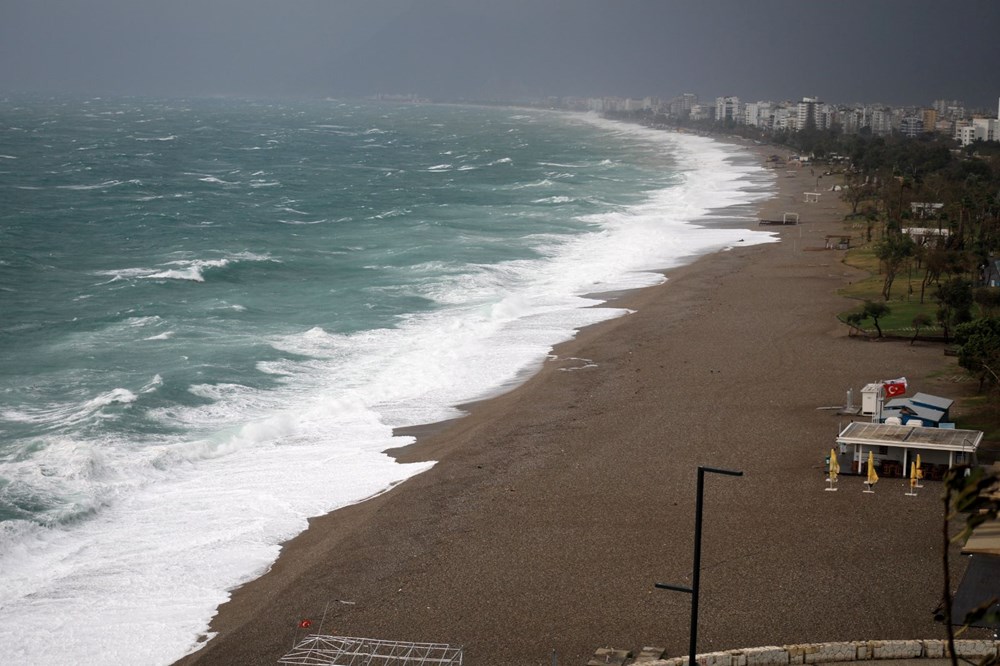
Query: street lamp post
column 696, row 576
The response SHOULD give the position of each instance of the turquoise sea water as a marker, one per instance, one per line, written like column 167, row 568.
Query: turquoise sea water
column 214, row 312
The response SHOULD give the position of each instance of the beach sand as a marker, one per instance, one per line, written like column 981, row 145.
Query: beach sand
column 553, row 509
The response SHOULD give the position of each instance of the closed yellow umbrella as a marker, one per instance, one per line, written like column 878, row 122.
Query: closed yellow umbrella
column 920, row 472
column 872, row 476
column 834, row 470
column 913, row 478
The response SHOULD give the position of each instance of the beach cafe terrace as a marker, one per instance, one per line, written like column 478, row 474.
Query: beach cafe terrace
column 895, row 446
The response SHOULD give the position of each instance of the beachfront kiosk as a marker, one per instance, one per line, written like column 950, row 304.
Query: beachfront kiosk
column 895, row 446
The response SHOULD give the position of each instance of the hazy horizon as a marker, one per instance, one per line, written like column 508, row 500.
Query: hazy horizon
column 892, row 52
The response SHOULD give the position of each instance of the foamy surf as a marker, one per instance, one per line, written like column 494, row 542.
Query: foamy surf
column 239, row 366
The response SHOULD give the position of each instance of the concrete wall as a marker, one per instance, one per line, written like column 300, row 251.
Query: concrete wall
column 816, row 653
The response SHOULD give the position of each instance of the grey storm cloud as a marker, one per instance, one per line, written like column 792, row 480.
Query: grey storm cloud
column 894, row 51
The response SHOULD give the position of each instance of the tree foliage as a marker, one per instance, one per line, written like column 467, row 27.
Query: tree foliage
column 893, row 250
column 979, row 349
column 875, row 311
column 954, row 303
column 920, row 320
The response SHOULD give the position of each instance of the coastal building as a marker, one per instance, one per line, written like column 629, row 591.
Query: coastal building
column 894, row 447
column 881, row 121
column 965, row 133
column 986, row 129
column 727, row 109
column 784, row 119
column 945, row 126
column 699, row 112
column 978, row 129
column 930, row 118
column 806, row 113
column 680, row 107
column 929, row 411
column 852, row 120
column 759, row 114
column 912, row 126
column 950, row 108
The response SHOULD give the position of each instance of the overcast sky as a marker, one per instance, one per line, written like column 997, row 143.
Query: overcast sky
column 892, row 51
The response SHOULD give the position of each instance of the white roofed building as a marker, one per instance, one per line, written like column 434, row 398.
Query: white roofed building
column 894, row 447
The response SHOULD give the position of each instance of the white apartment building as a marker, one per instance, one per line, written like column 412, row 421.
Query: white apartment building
column 785, row 119
column 965, row 133
column 758, row 114
column 911, row 126
column 727, row 108
column 806, row 113
column 881, row 121
column 984, row 129
column 699, row 112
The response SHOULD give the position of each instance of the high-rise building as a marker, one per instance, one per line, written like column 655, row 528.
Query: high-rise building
column 806, row 118
column 727, row 108
column 930, row 118
column 881, row 121
column 911, row 126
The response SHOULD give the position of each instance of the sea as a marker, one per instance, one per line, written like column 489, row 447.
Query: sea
column 215, row 312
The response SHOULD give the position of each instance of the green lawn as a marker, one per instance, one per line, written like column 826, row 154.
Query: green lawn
column 904, row 303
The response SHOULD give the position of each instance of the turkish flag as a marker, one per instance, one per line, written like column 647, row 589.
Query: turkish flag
column 895, row 387
column 305, row 624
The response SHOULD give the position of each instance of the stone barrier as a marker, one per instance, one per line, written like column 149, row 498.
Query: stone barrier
column 824, row 653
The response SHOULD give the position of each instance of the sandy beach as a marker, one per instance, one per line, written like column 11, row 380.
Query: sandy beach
column 554, row 508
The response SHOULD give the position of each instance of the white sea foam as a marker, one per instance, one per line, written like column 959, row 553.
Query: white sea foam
column 555, row 199
column 545, row 182
column 216, row 181
column 192, row 270
column 98, row 186
column 180, row 520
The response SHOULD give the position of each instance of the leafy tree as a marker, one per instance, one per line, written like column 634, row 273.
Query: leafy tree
column 876, row 311
column 893, row 251
column 979, row 350
column 854, row 321
column 920, row 320
column 935, row 263
column 856, row 189
column 954, row 303
column 988, row 300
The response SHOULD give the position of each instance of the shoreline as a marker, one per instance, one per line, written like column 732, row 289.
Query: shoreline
column 555, row 506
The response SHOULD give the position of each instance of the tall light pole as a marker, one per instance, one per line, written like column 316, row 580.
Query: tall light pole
column 696, row 577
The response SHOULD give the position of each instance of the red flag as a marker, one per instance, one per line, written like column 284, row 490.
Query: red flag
column 305, row 624
column 895, row 387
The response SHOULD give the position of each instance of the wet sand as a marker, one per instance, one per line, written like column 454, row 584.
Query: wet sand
column 554, row 508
